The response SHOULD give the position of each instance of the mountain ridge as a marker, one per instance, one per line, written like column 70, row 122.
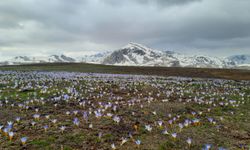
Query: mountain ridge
column 134, row 54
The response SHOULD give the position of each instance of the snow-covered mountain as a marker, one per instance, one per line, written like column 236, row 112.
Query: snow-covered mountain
column 134, row 54
column 29, row 60
column 138, row 55
column 240, row 60
column 96, row 58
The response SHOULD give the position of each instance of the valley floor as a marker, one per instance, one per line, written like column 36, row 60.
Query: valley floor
column 234, row 74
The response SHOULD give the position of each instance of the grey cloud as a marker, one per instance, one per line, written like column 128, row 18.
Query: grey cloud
column 106, row 24
column 168, row 2
column 162, row 3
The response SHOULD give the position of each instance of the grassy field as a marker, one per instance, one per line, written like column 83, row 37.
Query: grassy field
column 111, row 111
column 235, row 74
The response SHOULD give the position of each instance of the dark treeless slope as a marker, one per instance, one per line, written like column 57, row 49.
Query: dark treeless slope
column 235, row 74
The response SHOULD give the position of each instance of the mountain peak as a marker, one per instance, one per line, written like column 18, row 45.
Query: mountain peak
column 133, row 45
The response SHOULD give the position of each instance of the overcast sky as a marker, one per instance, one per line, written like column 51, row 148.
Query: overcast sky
column 78, row 27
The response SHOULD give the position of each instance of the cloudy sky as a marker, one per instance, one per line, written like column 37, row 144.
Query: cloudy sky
column 78, row 27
